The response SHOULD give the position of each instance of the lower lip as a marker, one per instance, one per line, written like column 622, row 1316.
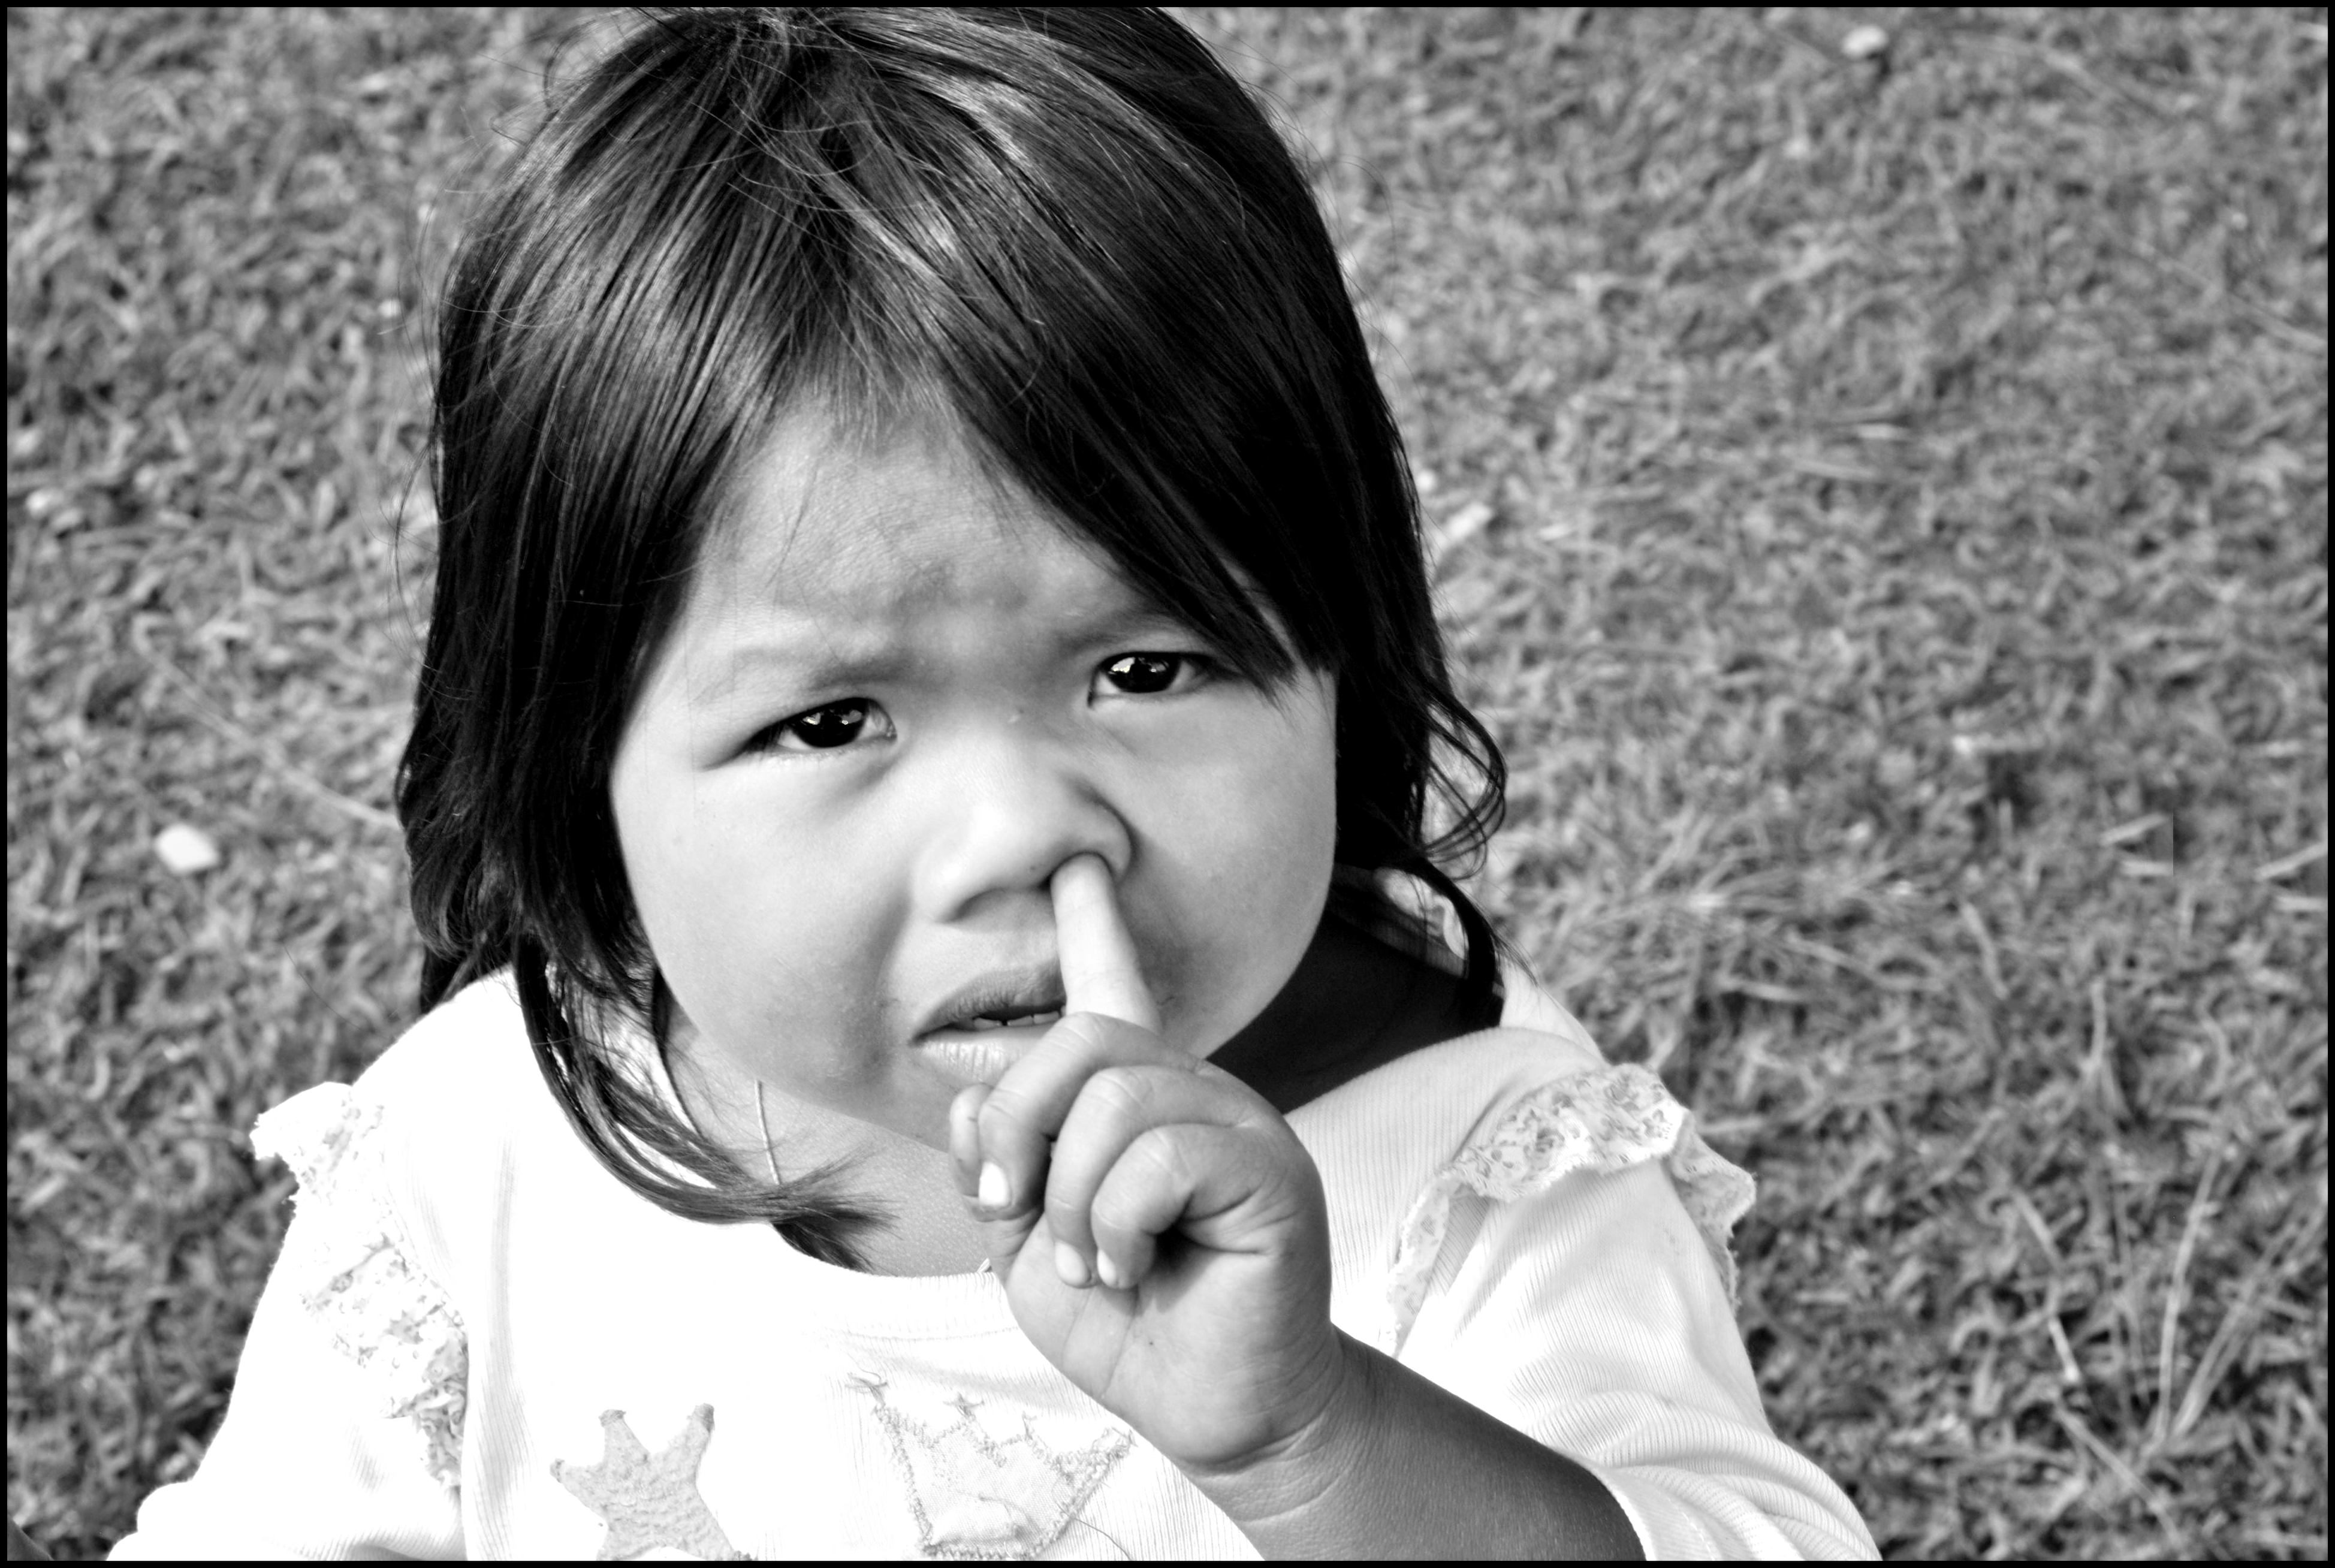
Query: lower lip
column 982, row 1056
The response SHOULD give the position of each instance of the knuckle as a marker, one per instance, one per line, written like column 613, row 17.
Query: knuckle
column 1160, row 1155
column 1112, row 1217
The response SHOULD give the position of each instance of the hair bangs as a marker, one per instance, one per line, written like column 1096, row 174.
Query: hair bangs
column 1005, row 237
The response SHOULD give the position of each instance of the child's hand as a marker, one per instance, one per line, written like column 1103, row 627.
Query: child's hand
column 1170, row 1251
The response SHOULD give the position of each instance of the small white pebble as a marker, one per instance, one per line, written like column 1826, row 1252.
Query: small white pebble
column 186, row 849
column 1864, row 42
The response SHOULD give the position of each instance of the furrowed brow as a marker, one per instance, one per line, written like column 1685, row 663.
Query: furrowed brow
column 808, row 663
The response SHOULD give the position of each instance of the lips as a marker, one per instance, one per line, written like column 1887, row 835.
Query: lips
column 1029, row 998
column 983, row 1029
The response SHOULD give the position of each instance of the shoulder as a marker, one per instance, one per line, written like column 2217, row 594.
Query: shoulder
column 366, row 1262
column 461, row 1081
column 1408, row 1118
column 428, row 1144
column 1383, row 1139
column 454, row 1063
column 1509, row 1117
column 459, row 1084
column 467, row 1053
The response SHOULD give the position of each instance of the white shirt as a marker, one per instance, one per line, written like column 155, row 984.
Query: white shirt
column 478, row 1342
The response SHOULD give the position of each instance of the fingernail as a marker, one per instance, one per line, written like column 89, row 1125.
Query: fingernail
column 1070, row 1264
column 993, row 1190
column 1105, row 1270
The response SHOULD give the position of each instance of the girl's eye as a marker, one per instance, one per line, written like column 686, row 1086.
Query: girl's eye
column 1145, row 675
column 825, row 729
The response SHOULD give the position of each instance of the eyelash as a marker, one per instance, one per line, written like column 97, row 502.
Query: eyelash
column 771, row 739
column 1198, row 665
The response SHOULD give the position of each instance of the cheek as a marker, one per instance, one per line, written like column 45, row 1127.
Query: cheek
column 1252, row 872
column 1284, row 826
column 758, row 944
column 1290, row 839
column 694, row 921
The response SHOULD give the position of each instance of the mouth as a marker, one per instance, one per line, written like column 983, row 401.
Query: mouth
column 978, row 1033
column 1029, row 998
column 1035, row 1018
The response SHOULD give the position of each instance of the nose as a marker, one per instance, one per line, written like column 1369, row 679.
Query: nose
column 1009, row 805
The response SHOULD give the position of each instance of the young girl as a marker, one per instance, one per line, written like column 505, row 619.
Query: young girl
column 947, row 1033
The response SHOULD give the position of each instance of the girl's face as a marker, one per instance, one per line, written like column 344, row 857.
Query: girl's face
column 897, row 697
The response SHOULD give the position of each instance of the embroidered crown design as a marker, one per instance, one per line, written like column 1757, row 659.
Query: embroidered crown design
column 975, row 1495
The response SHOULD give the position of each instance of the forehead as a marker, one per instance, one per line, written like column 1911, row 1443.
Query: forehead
column 830, row 524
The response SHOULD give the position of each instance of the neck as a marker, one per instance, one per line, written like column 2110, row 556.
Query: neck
column 1354, row 1004
column 927, row 1230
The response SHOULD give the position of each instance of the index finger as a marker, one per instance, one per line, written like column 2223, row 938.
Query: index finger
column 1100, row 973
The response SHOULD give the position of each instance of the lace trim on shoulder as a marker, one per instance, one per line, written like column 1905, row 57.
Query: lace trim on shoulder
column 350, row 1262
column 1602, row 1121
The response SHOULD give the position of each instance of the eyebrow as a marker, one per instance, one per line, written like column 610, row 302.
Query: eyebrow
column 809, row 661
column 820, row 658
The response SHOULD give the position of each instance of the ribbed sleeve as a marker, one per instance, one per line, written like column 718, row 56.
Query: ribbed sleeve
column 1590, row 1317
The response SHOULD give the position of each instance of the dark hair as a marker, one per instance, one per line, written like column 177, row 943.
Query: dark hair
column 1073, row 233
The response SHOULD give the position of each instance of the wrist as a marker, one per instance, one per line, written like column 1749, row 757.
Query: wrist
column 1271, row 1492
column 1391, row 1465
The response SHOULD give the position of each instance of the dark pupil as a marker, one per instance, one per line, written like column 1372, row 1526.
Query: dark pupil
column 833, row 725
column 1142, row 673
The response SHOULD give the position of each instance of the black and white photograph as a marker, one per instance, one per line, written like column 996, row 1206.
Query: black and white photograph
column 1111, row 783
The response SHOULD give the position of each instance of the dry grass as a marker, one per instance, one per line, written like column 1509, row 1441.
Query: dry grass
column 1883, row 508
